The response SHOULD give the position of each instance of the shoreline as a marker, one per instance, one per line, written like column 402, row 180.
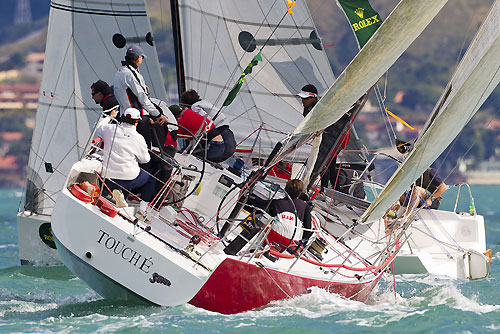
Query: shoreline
column 482, row 178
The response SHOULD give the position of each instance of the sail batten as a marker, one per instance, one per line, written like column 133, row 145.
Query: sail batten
column 475, row 78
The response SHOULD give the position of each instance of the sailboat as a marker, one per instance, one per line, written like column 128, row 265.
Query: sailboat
column 207, row 245
column 85, row 42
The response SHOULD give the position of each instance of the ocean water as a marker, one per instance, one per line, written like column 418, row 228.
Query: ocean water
column 52, row 300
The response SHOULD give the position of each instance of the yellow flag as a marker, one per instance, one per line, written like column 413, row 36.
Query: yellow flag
column 399, row 119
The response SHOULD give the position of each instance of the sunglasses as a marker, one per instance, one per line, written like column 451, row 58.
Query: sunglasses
column 94, row 93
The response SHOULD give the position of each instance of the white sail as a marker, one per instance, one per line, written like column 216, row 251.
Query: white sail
column 394, row 36
column 85, row 42
column 214, row 59
column 474, row 80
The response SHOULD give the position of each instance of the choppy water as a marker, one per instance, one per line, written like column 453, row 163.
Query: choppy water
column 48, row 300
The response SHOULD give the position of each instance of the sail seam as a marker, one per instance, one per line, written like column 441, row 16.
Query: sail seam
column 107, row 3
column 96, row 11
column 51, row 105
column 199, row 81
column 225, row 19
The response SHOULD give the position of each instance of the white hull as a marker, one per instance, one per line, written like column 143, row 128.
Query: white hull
column 94, row 241
column 437, row 242
column 36, row 242
column 445, row 243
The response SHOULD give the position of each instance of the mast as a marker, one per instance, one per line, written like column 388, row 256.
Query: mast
column 179, row 57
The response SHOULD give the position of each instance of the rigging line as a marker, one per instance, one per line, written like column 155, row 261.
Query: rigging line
column 212, row 60
column 444, row 231
column 214, row 37
column 455, row 247
column 265, row 19
column 385, row 85
column 41, row 190
column 385, row 117
column 50, row 140
column 282, row 47
column 465, row 37
column 244, row 115
column 200, row 55
column 256, row 74
column 238, row 65
column 273, row 31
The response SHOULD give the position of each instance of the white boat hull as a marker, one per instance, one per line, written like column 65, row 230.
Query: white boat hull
column 445, row 243
column 36, row 242
column 129, row 263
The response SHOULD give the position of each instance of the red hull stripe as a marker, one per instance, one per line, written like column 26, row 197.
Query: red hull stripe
column 237, row 286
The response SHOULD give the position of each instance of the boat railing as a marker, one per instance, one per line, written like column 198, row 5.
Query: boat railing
column 472, row 205
column 374, row 186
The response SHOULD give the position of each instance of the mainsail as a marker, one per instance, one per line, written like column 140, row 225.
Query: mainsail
column 394, row 36
column 474, row 80
column 86, row 41
column 219, row 39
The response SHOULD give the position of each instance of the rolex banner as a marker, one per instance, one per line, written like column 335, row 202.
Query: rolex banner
column 364, row 20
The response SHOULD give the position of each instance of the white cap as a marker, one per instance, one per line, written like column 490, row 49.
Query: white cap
column 132, row 113
column 305, row 95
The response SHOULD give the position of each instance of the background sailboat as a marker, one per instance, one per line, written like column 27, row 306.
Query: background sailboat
column 85, row 42
column 474, row 80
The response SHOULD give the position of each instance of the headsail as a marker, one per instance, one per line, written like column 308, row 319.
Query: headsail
column 221, row 37
column 474, row 80
column 85, row 42
column 394, row 36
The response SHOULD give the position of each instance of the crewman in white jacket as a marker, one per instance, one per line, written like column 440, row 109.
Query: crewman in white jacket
column 131, row 92
column 124, row 149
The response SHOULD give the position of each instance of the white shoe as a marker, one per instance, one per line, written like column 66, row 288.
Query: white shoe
column 119, row 199
column 143, row 213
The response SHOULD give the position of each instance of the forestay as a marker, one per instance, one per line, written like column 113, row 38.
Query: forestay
column 474, row 80
column 85, row 42
column 394, row 36
column 220, row 37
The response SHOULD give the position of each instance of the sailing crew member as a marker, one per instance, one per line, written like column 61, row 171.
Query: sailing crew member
column 131, row 91
column 427, row 190
column 124, row 149
column 309, row 97
column 192, row 100
column 293, row 213
column 197, row 124
column 103, row 96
